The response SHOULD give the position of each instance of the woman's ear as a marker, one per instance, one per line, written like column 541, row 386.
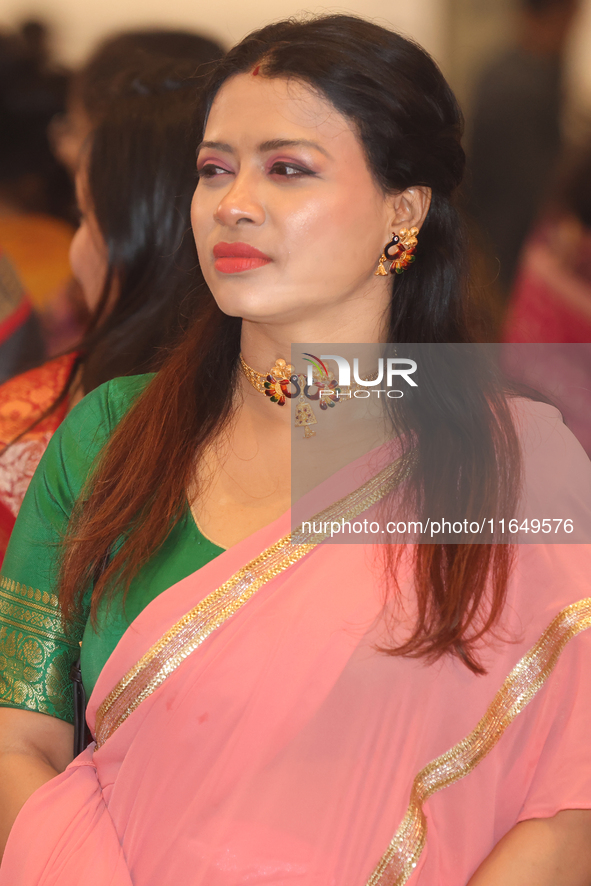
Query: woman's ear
column 409, row 208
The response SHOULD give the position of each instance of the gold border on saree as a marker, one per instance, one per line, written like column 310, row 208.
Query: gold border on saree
column 528, row 676
column 184, row 637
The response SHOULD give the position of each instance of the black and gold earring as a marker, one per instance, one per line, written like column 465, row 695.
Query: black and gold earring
column 404, row 244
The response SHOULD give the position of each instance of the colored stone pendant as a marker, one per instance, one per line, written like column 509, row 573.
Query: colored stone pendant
column 304, row 414
column 276, row 384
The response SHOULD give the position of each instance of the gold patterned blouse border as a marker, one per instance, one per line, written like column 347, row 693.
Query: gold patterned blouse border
column 527, row 677
column 45, row 619
column 35, row 652
column 162, row 659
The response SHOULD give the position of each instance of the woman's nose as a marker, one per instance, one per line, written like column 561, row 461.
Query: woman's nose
column 241, row 203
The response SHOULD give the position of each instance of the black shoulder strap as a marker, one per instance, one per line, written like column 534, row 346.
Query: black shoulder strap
column 82, row 734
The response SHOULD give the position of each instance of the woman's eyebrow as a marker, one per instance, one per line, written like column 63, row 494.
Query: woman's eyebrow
column 276, row 143
column 271, row 145
column 216, row 146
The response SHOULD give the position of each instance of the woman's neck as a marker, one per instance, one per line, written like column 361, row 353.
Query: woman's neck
column 262, row 344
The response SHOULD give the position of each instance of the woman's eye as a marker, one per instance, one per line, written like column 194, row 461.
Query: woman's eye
column 289, row 170
column 209, row 170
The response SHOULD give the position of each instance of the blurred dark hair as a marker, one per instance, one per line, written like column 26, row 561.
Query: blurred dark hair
column 541, row 7
column 96, row 84
column 140, row 179
column 35, row 35
column 410, row 126
column 30, row 176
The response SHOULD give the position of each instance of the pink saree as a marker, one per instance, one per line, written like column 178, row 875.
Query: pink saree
column 249, row 733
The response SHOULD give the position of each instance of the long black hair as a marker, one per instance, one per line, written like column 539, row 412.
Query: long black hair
column 140, row 175
column 96, row 84
column 140, row 178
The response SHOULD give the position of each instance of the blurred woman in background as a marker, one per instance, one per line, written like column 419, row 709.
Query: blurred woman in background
column 133, row 255
column 551, row 300
column 91, row 93
column 550, row 308
column 93, row 87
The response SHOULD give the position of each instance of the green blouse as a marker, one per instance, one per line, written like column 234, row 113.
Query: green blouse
column 36, row 654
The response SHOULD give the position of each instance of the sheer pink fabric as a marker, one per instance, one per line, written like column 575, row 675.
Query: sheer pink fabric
column 283, row 750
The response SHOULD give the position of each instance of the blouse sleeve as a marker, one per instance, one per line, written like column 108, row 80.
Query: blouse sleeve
column 36, row 652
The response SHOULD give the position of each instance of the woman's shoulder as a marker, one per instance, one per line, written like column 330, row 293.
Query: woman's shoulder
column 118, row 395
column 77, row 443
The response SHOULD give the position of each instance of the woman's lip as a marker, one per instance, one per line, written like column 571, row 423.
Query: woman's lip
column 236, row 264
column 238, row 250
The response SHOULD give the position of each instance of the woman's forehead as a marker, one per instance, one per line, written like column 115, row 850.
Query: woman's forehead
column 258, row 109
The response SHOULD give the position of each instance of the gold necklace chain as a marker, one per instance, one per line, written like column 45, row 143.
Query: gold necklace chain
column 257, row 379
column 283, row 370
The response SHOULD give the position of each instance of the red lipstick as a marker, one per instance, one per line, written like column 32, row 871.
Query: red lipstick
column 233, row 258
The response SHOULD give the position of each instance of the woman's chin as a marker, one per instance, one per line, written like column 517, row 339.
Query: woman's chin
column 260, row 308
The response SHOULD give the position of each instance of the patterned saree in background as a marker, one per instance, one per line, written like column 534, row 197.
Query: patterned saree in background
column 248, row 732
column 22, row 400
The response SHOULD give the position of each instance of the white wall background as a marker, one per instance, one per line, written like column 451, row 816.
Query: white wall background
column 79, row 23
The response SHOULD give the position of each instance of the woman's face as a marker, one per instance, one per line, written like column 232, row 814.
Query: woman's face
column 287, row 217
column 68, row 134
column 88, row 250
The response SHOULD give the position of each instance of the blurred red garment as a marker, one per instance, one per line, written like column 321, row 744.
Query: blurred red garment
column 23, row 402
column 551, row 311
column 551, row 300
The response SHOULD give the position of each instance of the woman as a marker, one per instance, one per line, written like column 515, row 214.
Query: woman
column 552, row 296
column 132, row 254
column 271, row 710
column 91, row 93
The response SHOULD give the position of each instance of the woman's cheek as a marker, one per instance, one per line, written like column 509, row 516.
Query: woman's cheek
column 201, row 222
column 89, row 264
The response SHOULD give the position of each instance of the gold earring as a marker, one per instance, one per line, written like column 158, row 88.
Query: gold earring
column 409, row 238
column 404, row 245
column 381, row 270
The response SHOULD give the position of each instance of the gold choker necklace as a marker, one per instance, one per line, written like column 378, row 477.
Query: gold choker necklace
column 282, row 383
